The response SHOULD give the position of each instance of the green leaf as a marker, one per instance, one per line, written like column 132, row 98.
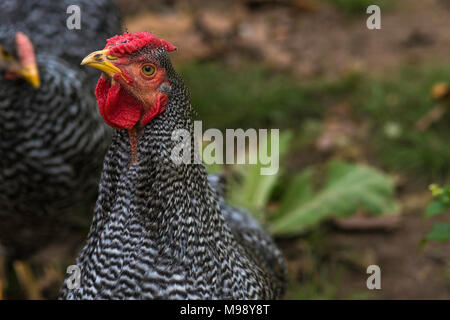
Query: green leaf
column 299, row 191
column 254, row 191
column 349, row 188
column 435, row 207
column 439, row 233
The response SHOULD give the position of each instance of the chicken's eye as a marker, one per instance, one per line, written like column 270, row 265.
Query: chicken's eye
column 148, row 70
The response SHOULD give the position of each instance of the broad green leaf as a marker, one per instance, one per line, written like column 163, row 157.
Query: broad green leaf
column 298, row 192
column 439, row 233
column 349, row 188
column 435, row 207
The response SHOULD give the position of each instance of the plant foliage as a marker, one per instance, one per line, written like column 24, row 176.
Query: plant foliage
column 348, row 188
column 440, row 232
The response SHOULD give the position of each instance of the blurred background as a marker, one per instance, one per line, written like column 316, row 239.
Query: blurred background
column 364, row 131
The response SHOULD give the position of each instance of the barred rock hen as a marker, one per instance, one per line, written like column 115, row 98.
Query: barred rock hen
column 161, row 229
column 52, row 139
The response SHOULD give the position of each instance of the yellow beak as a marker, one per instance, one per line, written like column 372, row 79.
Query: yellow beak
column 31, row 74
column 100, row 60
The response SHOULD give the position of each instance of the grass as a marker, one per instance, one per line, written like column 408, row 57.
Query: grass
column 254, row 97
column 399, row 102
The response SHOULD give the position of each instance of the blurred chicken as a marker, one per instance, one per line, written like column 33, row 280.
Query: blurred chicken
column 52, row 140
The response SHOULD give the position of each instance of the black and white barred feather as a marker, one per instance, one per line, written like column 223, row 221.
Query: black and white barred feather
column 52, row 142
column 162, row 230
column 52, row 139
column 45, row 22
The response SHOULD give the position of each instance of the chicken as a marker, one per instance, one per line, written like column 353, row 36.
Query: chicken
column 161, row 229
column 45, row 22
column 52, row 139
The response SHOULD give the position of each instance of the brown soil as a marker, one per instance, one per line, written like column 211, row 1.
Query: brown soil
column 407, row 271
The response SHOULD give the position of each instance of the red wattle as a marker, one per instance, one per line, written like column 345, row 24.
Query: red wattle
column 119, row 109
column 157, row 108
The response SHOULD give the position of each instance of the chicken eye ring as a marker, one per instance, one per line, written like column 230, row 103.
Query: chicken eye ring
column 148, row 70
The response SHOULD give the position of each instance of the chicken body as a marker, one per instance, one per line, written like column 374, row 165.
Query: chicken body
column 52, row 139
column 52, row 144
column 162, row 230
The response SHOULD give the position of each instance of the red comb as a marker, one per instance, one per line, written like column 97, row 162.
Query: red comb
column 130, row 42
column 25, row 49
